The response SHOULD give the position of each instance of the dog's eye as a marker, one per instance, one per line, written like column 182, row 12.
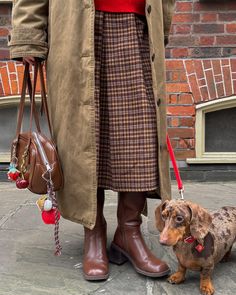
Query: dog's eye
column 179, row 219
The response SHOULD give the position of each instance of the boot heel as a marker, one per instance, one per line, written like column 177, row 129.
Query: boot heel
column 116, row 256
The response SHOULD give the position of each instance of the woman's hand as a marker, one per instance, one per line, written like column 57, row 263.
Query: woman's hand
column 29, row 59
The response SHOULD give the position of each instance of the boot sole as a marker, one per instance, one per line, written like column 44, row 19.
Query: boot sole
column 119, row 256
column 96, row 278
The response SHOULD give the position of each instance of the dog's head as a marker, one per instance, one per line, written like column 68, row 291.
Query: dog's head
column 177, row 218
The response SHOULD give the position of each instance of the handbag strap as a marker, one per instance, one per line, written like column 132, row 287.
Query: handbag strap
column 44, row 105
column 26, row 82
column 32, row 89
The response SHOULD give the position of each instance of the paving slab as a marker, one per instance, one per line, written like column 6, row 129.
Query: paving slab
column 28, row 266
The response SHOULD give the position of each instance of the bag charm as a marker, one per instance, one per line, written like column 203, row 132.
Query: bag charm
column 14, row 174
column 50, row 213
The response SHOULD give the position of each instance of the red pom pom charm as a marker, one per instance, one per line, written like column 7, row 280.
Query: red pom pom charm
column 49, row 217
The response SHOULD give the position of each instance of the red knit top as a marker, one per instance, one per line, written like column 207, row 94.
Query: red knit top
column 136, row 6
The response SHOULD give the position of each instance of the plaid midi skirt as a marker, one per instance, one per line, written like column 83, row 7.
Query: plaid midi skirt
column 126, row 131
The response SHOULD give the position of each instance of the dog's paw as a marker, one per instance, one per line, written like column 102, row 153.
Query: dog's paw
column 176, row 278
column 207, row 289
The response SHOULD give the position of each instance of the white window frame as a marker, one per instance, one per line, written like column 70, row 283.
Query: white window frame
column 203, row 157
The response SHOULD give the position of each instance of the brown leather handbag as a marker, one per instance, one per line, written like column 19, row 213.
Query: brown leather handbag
column 33, row 155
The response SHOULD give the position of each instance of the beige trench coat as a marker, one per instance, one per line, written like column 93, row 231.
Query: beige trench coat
column 63, row 34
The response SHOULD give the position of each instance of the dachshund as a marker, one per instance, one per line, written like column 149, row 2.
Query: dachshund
column 200, row 239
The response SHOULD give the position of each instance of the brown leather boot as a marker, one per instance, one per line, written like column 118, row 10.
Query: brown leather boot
column 128, row 243
column 95, row 261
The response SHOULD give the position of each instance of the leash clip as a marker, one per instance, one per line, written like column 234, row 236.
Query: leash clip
column 181, row 192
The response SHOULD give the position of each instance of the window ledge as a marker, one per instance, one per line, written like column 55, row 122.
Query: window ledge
column 211, row 160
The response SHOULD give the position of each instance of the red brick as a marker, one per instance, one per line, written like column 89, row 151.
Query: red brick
column 11, row 67
column 181, row 110
column 181, row 132
column 208, row 28
column 182, row 144
column 183, row 6
column 5, row 81
column 182, row 29
column 206, row 64
column 207, row 40
column 209, row 17
column 211, row 84
column 199, row 69
column 231, row 28
column 183, row 18
column 187, row 122
column 234, row 76
column 179, row 52
column 174, row 143
column 183, row 77
column 4, row 54
column 175, row 122
column 216, row 6
column 174, row 65
column 189, row 64
column 180, row 87
column 220, row 90
column 19, row 69
column 175, row 76
column 4, row 32
column 233, row 64
column 172, row 99
column 228, row 17
column 218, row 78
column 195, row 88
column 204, row 93
column 226, row 40
column 185, row 99
column 202, row 82
column 234, row 86
column 227, row 80
column 225, row 62
column 216, row 67
column 183, row 40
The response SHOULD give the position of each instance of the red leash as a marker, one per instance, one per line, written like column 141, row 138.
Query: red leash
column 176, row 169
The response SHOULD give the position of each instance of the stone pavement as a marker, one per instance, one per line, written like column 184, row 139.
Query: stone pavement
column 28, row 266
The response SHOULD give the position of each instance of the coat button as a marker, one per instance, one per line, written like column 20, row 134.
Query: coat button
column 149, row 9
column 153, row 57
column 158, row 102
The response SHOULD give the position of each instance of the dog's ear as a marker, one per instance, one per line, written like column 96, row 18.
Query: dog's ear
column 160, row 224
column 200, row 221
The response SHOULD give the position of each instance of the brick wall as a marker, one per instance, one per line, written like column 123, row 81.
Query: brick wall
column 200, row 64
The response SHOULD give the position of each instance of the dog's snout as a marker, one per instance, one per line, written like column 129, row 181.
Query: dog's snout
column 163, row 241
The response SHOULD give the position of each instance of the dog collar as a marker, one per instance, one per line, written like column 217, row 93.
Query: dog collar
column 190, row 240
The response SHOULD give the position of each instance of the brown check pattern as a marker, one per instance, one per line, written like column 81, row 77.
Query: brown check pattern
column 125, row 109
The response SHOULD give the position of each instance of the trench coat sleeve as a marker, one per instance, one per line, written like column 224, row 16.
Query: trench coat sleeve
column 168, row 10
column 29, row 29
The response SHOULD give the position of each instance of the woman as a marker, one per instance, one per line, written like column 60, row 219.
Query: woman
column 106, row 90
